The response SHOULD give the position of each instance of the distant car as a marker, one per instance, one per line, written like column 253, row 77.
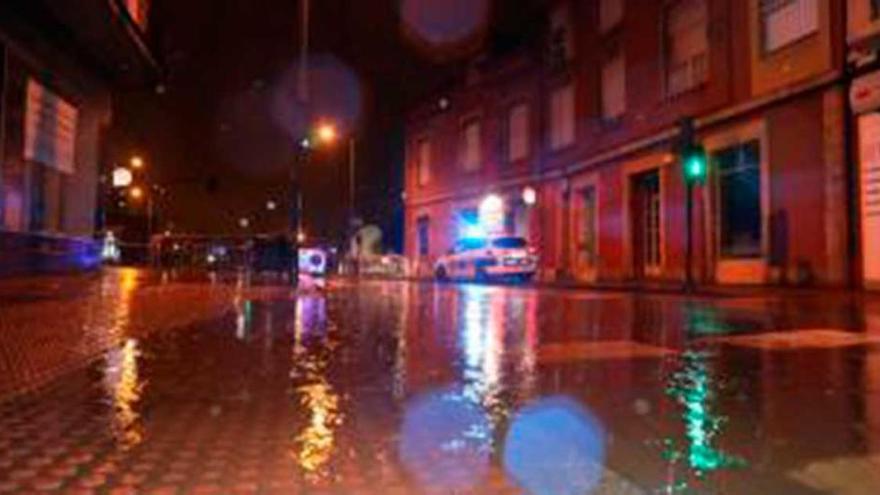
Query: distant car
column 484, row 259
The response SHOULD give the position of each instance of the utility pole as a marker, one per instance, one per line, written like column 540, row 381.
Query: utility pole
column 302, row 146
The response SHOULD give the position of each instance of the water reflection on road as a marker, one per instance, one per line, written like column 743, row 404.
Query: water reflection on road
column 414, row 388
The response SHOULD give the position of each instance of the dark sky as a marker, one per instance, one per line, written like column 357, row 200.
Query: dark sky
column 221, row 134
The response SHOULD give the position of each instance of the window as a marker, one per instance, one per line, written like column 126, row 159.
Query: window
column 561, row 40
column 423, row 161
column 510, row 243
column 614, row 87
column 50, row 129
column 562, row 117
column 610, row 14
column 470, row 142
column 470, row 244
column 518, row 133
column 588, row 241
column 423, row 224
column 739, row 193
column 785, row 21
column 687, row 46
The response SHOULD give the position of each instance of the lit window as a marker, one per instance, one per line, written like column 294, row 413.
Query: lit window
column 610, row 14
column 562, row 117
column 470, row 142
column 786, row 21
column 518, row 133
column 423, row 161
column 614, row 87
column 687, row 56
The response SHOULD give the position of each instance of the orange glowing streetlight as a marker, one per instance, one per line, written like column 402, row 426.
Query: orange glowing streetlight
column 327, row 133
column 136, row 192
column 137, row 162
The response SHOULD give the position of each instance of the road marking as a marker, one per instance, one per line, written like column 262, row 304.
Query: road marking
column 841, row 475
column 798, row 339
column 598, row 351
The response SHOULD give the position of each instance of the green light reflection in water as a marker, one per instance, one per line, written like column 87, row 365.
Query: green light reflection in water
column 693, row 387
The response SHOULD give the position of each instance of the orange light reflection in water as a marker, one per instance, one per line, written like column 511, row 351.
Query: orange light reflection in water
column 122, row 380
column 314, row 445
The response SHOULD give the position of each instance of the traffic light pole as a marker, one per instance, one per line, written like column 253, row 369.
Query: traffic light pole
column 295, row 211
column 689, row 249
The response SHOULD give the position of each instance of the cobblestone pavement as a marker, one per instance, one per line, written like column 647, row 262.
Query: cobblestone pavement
column 133, row 382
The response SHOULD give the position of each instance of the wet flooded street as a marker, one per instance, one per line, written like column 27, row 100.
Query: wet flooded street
column 132, row 382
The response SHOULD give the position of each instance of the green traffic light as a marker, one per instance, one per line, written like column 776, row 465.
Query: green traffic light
column 695, row 166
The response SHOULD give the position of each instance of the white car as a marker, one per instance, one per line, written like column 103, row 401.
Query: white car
column 503, row 257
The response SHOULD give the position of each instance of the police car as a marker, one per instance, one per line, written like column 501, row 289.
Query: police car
column 484, row 259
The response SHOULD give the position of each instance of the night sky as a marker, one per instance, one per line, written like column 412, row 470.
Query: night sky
column 221, row 134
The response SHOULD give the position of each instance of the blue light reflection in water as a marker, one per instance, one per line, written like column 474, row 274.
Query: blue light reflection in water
column 443, row 444
column 555, row 447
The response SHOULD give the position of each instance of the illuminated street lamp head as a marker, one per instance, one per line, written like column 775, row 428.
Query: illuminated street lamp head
column 244, row 222
column 301, row 237
column 136, row 192
column 271, row 205
column 327, row 133
column 137, row 162
column 529, row 196
column 122, row 177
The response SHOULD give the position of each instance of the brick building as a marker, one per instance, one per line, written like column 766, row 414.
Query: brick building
column 60, row 63
column 589, row 121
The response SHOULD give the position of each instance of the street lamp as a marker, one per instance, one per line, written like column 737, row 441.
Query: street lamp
column 136, row 192
column 529, row 196
column 327, row 133
column 122, row 177
column 271, row 205
column 137, row 162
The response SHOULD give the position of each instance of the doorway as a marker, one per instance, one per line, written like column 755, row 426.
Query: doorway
column 645, row 227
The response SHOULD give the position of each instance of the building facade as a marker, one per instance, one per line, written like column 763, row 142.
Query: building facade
column 591, row 120
column 863, row 36
column 60, row 64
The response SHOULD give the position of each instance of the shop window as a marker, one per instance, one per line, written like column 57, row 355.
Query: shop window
column 784, row 22
column 687, row 46
column 739, row 197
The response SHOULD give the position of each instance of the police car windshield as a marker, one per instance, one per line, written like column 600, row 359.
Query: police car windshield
column 471, row 244
column 509, row 243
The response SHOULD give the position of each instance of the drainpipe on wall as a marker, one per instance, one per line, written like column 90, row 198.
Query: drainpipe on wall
column 849, row 159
